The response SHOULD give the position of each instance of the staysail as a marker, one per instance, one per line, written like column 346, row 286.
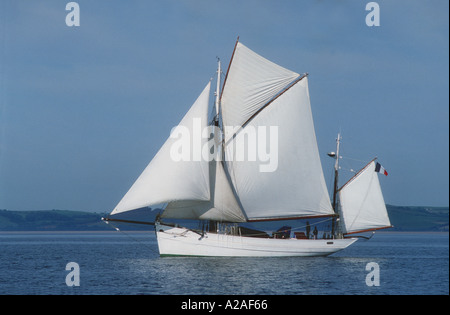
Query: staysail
column 362, row 203
column 222, row 205
column 168, row 179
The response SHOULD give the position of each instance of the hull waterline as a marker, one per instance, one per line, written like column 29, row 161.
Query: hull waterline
column 178, row 241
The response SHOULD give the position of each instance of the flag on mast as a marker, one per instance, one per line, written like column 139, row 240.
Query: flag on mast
column 380, row 169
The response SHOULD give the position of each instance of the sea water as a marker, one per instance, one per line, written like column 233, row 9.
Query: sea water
column 128, row 263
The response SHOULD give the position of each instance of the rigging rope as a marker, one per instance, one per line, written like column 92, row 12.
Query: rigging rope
column 134, row 239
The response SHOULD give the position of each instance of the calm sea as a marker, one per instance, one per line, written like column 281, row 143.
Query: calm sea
column 118, row 263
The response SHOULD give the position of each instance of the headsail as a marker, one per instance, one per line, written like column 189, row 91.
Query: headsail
column 165, row 179
column 362, row 203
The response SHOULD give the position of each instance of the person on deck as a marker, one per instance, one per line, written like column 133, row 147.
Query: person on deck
column 308, row 229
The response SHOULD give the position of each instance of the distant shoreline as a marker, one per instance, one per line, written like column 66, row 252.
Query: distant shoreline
column 404, row 219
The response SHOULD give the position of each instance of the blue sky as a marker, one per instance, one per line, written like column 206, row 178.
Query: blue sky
column 84, row 109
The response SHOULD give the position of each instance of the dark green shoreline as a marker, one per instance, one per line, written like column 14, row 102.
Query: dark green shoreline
column 404, row 219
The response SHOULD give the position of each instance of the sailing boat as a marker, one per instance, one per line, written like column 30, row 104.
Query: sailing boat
column 257, row 160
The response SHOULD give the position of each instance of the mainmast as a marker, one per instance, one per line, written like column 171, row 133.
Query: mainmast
column 212, row 224
column 336, row 179
column 336, row 173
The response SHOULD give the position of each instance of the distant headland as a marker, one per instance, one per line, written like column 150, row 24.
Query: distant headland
column 404, row 218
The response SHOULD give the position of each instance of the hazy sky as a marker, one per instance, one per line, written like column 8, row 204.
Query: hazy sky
column 84, row 109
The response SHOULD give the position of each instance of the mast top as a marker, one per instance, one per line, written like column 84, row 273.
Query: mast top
column 217, row 92
column 338, row 142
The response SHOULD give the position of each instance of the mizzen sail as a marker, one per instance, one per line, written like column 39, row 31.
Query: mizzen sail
column 362, row 202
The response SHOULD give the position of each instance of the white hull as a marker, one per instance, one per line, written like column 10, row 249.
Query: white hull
column 178, row 241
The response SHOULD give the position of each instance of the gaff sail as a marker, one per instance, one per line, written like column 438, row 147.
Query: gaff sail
column 362, row 204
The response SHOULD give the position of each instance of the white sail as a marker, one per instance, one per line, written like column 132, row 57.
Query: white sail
column 222, row 206
column 260, row 97
column 165, row 179
column 295, row 186
column 251, row 82
column 362, row 202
